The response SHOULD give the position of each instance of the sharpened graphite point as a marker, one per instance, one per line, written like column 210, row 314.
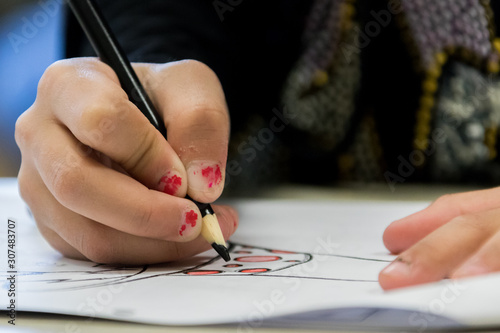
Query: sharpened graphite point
column 222, row 251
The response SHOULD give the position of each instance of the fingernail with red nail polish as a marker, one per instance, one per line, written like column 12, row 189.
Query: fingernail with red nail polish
column 204, row 175
column 190, row 220
column 170, row 183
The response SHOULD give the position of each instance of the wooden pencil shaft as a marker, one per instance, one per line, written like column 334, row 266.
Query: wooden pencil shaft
column 211, row 232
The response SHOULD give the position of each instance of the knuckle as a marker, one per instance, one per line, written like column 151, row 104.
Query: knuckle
column 149, row 220
column 90, row 119
column 70, row 72
column 145, row 222
column 451, row 202
column 69, row 69
column 425, row 254
column 56, row 241
column 196, row 66
column 101, row 118
column 472, row 222
column 443, row 200
column 205, row 120
column 137, row 159
column 55, row 75
column 99, row 250
column 22, row 132
column 52, row 74
column 214, row 116
column 25, row 187
column 177, row 252
column 197, row 74
column 424, row 257
column 66, row 182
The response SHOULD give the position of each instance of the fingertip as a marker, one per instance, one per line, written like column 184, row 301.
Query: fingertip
column 179, row 222
column 173, row 183
column 190, row 224
column 405, row 232
column 396, row 275
column 385, row 281
column 235, row 216
column 392, row 238
column 205, row 180
column 228, row 220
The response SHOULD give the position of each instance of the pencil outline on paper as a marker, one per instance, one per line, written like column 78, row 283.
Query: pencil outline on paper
column 245, row 263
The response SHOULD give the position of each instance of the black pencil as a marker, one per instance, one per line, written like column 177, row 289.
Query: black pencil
column 109, row 51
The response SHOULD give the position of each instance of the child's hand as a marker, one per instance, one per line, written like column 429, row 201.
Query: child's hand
column 456, row 236
column 103, row 183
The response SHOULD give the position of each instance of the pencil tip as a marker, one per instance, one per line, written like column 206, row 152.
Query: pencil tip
column 222, row 251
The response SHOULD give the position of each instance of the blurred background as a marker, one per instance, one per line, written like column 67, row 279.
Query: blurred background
column 31, row 38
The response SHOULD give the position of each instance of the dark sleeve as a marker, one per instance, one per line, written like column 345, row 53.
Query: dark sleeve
column 495, row 5
column 158, row 31
column 250, row 46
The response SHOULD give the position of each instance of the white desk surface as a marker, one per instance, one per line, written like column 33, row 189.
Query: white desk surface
column 38, row 323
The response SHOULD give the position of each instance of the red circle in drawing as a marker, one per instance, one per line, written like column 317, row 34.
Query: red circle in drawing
column 255, row 270
column 258, row 258
column 232, row 265
column 282, row 252
column 203, row 272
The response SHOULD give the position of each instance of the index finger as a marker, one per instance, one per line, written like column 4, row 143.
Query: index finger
column 405, row 232
column 89, row 188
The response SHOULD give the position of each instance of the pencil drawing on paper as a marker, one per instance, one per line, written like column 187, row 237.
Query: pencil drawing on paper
column 246, row 261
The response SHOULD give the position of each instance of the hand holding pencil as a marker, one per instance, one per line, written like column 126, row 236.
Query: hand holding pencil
column 102, row 183
column 105, row 44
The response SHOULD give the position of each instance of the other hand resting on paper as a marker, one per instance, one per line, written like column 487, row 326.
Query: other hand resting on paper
column 102, row 183
column 456, row 236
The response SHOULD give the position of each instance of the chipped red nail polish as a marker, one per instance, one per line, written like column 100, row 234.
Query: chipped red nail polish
column 191, row 219
column 204, row 175
column 171, row 183
column 212, row 175
column 183, row 227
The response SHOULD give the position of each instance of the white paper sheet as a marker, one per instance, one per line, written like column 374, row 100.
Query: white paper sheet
column 310, row 264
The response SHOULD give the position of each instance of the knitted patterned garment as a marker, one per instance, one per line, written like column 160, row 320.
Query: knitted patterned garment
column 456, row 60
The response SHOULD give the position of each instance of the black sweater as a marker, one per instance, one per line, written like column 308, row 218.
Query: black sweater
column 251, row 45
